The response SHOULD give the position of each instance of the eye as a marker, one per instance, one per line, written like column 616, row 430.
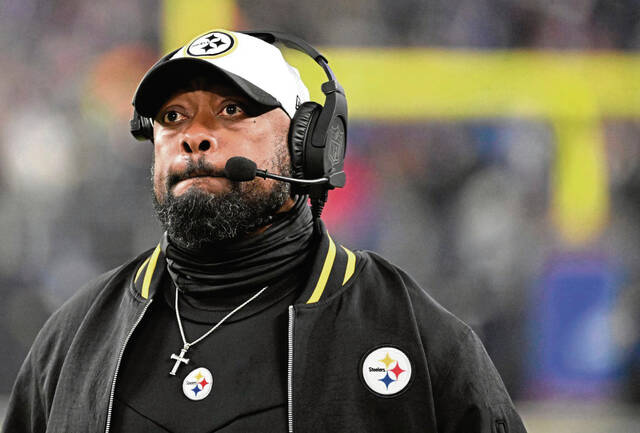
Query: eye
column 232, row 109
column 172, row 116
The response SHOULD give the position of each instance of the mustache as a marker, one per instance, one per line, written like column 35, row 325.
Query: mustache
column 199, row 168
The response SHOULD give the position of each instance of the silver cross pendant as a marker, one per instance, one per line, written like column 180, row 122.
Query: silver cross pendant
column 179, row 359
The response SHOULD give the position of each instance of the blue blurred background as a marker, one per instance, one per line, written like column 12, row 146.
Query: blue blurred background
column 493, row 153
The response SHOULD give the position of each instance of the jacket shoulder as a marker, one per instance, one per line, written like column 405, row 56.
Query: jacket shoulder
column 58, row 331
column 467, row 389
column 75, row 308
column 444, row 336
column 429, row 313
column 36, row 383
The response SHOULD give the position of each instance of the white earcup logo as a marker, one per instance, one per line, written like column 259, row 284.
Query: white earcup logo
column 211, row 44
column 386, row 371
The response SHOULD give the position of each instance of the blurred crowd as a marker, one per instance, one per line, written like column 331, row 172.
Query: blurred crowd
column 462, row 206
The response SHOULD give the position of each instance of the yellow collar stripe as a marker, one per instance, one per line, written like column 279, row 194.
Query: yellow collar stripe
column 351, row 265
column 140, row 269
column 324, row 274
column 153, row 260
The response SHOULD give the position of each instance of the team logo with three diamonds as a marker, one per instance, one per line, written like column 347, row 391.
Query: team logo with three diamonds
column 386, row 371
column 197, row 385
column 212, row 44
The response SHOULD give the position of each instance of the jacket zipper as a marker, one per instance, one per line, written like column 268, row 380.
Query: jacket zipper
column 115, row 375
column 290, row 371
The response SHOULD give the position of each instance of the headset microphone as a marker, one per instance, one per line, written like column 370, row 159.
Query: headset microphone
column 241, row 169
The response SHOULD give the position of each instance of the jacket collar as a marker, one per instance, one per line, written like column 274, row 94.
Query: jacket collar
column 147, row 278
column 333, row 266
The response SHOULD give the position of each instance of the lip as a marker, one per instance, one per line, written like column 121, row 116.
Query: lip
column 204, row 180
column 200, row 176
column 194, row 179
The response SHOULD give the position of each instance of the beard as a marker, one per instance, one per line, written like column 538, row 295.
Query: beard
column 197, row 218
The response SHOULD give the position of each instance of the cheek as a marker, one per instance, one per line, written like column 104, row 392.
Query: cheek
column 159, row 174
column 268, row 149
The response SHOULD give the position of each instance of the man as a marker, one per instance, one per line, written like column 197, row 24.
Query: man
column 248, row 316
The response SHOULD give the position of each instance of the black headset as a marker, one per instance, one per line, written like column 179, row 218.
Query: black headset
column 317, row 135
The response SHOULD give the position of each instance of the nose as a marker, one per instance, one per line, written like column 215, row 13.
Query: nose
column 199, row 138
column 203, row 146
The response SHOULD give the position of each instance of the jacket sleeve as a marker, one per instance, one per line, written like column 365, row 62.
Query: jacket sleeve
column 470, row 397
column 36, row 384
column 468, row 393
column 26, row 412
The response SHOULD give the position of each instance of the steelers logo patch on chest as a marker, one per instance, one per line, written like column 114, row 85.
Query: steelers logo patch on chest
column 198, row 384
column 386, row 371
column 212, row 44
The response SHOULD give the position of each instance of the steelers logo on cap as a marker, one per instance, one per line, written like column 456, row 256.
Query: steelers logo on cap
column 198, row 384
column 212, row 44
column 386, row 371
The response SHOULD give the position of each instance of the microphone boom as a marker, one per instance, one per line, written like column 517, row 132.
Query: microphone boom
column 241, row 169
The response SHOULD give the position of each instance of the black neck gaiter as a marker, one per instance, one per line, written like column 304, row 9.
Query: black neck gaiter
column 231, row 270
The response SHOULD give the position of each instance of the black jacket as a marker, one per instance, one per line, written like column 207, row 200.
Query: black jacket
column 353, row 303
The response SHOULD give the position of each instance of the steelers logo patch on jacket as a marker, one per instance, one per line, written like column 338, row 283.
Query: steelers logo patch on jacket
column 386, row 371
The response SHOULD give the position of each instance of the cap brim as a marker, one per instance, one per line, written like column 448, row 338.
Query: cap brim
column 163, row 80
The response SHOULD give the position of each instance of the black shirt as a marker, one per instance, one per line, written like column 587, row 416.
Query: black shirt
column 246, row 356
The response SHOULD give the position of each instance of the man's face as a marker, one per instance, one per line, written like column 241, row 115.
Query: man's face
column 195, row 133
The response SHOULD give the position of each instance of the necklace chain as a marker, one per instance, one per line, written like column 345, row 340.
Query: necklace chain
column 206, row 334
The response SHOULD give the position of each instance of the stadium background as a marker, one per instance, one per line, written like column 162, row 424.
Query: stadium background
column 493, row 154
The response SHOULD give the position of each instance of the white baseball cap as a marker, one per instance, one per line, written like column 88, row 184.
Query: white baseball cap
column 255, row 66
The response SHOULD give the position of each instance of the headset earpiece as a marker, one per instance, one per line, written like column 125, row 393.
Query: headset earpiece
column 300, row 132
column 141, row 127
column 327, row 147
